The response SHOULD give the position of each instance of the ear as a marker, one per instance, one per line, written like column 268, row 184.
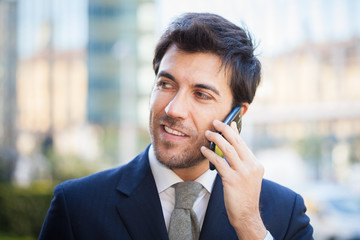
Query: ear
column 244, row 107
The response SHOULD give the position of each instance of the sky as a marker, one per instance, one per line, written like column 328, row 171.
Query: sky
column 36, row 16
column 277, row 25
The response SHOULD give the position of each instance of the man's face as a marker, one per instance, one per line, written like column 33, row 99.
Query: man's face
column 191, row 90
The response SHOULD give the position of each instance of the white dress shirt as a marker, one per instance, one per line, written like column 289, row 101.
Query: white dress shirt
column 165, row 178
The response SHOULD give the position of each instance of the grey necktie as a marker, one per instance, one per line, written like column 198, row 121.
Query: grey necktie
column 183, row 221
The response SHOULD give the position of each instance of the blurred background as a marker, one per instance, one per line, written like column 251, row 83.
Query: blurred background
column 76, row 76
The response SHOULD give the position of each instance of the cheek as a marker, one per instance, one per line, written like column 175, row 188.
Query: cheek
column 158, row 102
column 203, row 121
column 152, row 99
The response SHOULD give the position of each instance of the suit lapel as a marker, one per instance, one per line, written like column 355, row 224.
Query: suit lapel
column 216, row 223
column 140, row 207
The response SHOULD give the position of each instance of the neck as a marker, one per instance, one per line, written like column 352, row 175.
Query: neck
column 192, row 173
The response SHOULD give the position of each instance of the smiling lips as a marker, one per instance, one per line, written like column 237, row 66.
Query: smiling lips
column 173, row 132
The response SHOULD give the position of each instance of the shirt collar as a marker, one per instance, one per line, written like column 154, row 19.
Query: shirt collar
column 165, row 177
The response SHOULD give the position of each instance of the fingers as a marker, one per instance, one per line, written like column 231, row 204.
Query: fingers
column 232, row 137
column 220, row 164
column 226, row 147
column 234, row 148
column 241, row 180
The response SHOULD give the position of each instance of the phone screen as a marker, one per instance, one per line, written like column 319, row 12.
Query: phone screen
column 235, row 115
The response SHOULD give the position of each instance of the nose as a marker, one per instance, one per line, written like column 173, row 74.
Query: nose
column 177, row 107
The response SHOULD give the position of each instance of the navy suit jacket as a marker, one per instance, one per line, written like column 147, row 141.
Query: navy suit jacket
column 123, row 203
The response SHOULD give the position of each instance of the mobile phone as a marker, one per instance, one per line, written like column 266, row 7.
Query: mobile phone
column 235, row 115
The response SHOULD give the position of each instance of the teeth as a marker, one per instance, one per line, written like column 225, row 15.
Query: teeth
column 172, row 131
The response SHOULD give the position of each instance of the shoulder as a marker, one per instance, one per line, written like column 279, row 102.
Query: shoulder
column 288, row 208
column 102, row 182
column 92, row 182
column 278, row 197
column 270, row 189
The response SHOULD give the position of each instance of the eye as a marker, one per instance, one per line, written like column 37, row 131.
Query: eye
column 202, row 95
column 163, row 85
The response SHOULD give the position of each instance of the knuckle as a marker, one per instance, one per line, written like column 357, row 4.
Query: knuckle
column 229, row 148
column 228, row 129
column 256, row 168
column 259, row 169
column 247, row 173
column 238, row 141
column 217, row 136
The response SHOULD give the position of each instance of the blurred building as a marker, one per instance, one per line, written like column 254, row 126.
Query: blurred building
column 314, row 82
column 51, row 72
column 311, row 97
column 115, row 60
column 51, row 82
column 52, row 92
column 8, row 106
column 308, row 100
column 83, row 69
column 112, row 66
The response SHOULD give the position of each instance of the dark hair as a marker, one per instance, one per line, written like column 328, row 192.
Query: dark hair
column 206, row 32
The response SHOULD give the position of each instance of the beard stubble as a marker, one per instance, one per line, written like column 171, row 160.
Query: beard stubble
column 189, row 157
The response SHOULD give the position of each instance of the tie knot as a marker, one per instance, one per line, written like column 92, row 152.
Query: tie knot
column 186, row 193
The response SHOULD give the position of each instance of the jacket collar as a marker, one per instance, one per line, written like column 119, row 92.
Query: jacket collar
column 216, row 223
column 139, row 206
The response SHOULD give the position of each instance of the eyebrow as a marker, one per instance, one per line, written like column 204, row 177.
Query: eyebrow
column 205, row 86
column 199, row 85
column 167, row 75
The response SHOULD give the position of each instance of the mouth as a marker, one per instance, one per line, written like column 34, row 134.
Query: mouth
column 173, row 132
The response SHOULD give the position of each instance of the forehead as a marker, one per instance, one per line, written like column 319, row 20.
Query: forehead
column 199, row 66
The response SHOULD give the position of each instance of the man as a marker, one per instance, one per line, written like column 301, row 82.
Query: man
column 204, row 66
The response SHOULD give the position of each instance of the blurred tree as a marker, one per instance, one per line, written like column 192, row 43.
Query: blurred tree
column 8, row 158
column 8, row 105
column 311, row 149
column 355, row 149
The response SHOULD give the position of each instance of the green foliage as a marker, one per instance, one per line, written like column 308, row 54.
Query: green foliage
column 310, row 148
column 65, row 167
column 7, row 163
column 4, row 236
column 23, row 210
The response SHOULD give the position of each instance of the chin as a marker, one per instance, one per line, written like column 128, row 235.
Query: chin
column 178, row 158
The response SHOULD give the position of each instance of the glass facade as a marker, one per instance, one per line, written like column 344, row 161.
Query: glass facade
column 111, row 59
column 8, row 106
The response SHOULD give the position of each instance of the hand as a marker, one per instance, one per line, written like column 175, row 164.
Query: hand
column 241, row 180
